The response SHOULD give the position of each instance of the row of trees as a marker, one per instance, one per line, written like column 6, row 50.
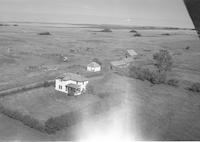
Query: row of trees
column 162, row 62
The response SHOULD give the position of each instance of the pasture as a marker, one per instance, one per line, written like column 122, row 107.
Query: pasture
column 158, row 112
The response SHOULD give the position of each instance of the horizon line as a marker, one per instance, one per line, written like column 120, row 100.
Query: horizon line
column 87, row 24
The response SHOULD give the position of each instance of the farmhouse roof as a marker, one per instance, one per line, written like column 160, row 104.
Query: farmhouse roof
column 93, row 64
column 73, row 76
column 132, row 52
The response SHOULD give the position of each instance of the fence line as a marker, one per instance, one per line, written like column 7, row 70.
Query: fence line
column 27, row 87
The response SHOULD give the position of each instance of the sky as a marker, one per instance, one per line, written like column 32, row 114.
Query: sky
column 121, row 12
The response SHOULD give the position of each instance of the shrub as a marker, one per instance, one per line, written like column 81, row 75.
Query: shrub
column 25, row 119
column 4, row 25
column 51, row 126
column 58, row 123
column 195, row 87
column 157, row 77
column 106, row 30
column 32, row 123
column 44, row 33
column 187, row 48
column 154, row 77
column 133, row 31
column 48, row 83
column 137, row 34
column 166, row 34
column 139, row 73
column 163, row 60
column 134, row 72
column 173, row 82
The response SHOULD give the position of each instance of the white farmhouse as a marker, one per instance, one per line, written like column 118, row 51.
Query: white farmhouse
column 93, row 67
column 72, row 84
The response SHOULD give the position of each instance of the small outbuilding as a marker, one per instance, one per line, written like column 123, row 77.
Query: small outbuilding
column 93, row 67
column 131, row 53
column 121, row 63
column 118, row 64
column 71, row 84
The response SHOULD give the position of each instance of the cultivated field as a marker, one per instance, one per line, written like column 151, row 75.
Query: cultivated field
column 158, row 112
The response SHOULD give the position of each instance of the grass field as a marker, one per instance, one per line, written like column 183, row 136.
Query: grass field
column 149, row 112
column 44, row 103
column 158, row 112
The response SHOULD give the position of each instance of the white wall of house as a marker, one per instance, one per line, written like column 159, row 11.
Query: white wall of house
column 61, row 85
column 93, row 69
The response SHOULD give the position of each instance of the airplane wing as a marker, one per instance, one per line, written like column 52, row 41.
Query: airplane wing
column 193, row 7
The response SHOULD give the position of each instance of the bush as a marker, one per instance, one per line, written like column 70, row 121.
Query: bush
column 157, row 77
column 48, row 83
column 137, row 35
column 44, row 33
column 187, row 48
column 173, row 82
column 25, row 119
column 51, row 126
column 106, row 30
column 195, row 87
column 163, row 60
column 58, row 123
column 154, row 77
column 4, row 25
column 166, row 34
column 133, row 31
column 138, row 73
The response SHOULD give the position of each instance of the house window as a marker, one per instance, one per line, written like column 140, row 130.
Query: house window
column 60, row 87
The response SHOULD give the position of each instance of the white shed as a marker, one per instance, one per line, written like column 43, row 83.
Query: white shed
column 132, row 52
column 93, row 67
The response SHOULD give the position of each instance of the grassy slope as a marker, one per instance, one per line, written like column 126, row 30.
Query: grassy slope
column 158, row 113
column 44, row 103
column 166, row 113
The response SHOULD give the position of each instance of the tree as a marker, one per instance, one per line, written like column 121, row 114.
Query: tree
column 163, row 60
